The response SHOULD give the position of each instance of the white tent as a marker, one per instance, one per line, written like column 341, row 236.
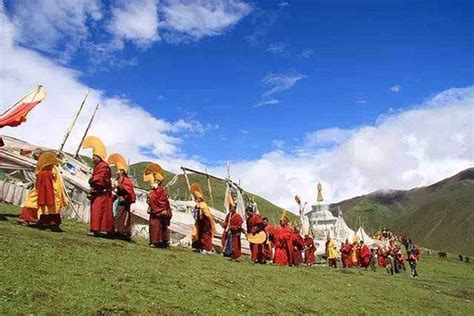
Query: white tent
column 361, row 235
column 342, row 231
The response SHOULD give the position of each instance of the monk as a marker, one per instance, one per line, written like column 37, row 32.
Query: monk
column 268, row 245
column 160, row 213
column 355, row 254
column 204, row 225
column 255, row 225
column 346, row 254
column 283, row 243
column 381, row 257
column 233, row 227
column 331, row 252
column 309, row 250
column 364, row 254
column 102, row 218
column 298, row 247
column 126, row 197
column 44, row 203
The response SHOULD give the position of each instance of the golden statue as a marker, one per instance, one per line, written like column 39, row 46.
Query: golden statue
column 320, row 193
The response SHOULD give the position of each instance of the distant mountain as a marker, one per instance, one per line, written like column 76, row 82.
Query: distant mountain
column 439, row 216
column 179, row 190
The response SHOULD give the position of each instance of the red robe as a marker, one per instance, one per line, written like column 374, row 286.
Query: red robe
column 160, row 216
column 310, row 249
column 46, row 197
column 381, row 258
column 364, row 254
column 298, row 247
column 102, row 217
column 255, row 225
column 346, row 254
column 123, row 221
column 233, row 223
column 283, row 246
column 205, row 230
column 268, row 246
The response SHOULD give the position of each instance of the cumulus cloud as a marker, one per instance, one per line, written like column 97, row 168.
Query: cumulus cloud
column 136, row 21
column 123, row 125
column 61, row 28
column 54, row 26
column 329, row 136
column 425, row 144
column 193, row 20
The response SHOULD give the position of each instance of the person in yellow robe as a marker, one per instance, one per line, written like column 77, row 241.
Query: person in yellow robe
column 331, row 252
column 45, row 201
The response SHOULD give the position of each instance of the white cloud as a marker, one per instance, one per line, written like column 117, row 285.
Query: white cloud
column 61, row 28
column 395, row 88
column 193, row 20
column 278, row 82
column 123, row 125
column 278, row 49
column 54, row 26
column 136, row 21
column 329, row 136
column 267, row 102
column 401, row 151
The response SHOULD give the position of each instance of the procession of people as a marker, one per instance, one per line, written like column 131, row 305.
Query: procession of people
column 112, row 196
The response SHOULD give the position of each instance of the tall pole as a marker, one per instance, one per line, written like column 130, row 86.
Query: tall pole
column 87, row 130
column 69, row 130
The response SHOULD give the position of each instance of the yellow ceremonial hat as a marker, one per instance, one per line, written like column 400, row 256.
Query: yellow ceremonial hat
column 46, row 161
column 197, row 191
column 258, row 238
column 230, row 200
column 98, row 147
column 119, row 161
column 284, row 217
column 153, row 171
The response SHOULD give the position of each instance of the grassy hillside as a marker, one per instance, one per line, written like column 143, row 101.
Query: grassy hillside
column 439, row 216
column 180, row 190
column 70, row 273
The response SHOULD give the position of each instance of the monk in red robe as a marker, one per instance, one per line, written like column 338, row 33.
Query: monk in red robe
column 233, row 226
column 44, row 203
column 283, row 243
column 309, row 250
column 298, row 247
column 126, row 197
column 364, row 255
column 346, row 254
column 254, row 226
column 204, row 225
column 160, row 213
column 381, row 257
column 268, row 245
column 102, row 217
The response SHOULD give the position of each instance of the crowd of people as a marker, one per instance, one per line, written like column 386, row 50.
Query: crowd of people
column 284, row 244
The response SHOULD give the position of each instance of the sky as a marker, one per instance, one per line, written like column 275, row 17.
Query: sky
column 357, row 95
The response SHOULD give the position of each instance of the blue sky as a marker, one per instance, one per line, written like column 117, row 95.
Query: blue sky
column 356, row 51
column 290, row 92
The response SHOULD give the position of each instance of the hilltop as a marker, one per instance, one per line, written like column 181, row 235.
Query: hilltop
column 438, row 216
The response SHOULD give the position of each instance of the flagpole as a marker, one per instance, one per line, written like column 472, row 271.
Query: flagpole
column 85, row 133
column 69, row 130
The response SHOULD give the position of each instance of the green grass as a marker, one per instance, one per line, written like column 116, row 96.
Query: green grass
column 70, row 273
column 180, row 190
